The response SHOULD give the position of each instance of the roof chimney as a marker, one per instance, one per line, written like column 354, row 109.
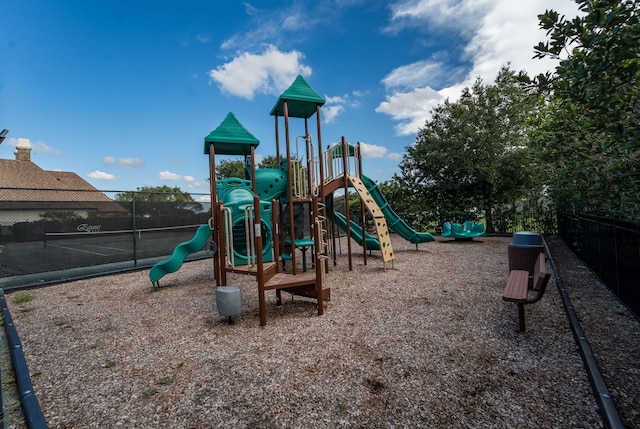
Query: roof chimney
column 23, row 150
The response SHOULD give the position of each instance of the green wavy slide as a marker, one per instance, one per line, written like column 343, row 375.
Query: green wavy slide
column 181, row 251
column 395, row 222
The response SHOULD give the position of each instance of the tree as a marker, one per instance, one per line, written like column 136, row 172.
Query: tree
column 473, row 153
column 230, row 168
column 591, row 138
column 161, row 201
column 268, row 161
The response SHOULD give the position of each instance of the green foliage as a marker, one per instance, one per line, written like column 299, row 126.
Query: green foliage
column 166, row 380
column 230, row 168
column 157, row 194
column 148, row 393
column 60, row 216
column 591, row 137
column 23, row 298
column 473, row 154
column 159, row 201
column 268, row 161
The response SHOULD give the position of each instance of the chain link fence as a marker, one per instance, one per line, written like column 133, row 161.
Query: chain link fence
column 51, row 235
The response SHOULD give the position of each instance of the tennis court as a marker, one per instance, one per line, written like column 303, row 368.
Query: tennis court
column 95, row 250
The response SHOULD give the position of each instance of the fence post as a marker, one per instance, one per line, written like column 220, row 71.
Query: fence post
column 133, row 228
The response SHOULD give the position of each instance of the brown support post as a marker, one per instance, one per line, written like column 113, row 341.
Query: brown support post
column 364, row 231
column 321, row 184
column 222, row 250
column 290, row 187
column 321, row 193
column 358, row 160
column 316, row 239
column 277, row 142
column 333, row 236
column 345, row 179
column 253, row 169
column 275, row 227
column 521, row 317
column 309, row 153
column 215, row 233
column 257, row 225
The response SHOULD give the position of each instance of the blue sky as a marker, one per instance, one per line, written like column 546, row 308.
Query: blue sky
column 124, row 92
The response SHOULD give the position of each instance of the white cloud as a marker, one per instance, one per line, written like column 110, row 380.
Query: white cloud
column 331, row 112
column 445, row 15
column 497, row 32
column 123, row 162
column 41, row 147
column 101, row 175
column 338, row 104
column 270, row 72
column 38, row 146
column 434, row 72
column 394, row 156
column 410, row 108
column 372, row 150
column 189, row 180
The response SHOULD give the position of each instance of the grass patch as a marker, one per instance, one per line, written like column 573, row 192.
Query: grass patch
column 110, row 364
column 149, row 393
column 23, row 298
column 166, row 380
column 341, row 408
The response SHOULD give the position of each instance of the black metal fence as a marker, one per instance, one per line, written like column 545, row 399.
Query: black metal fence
column 44, row 233
column 505, row 221
column 611, row 248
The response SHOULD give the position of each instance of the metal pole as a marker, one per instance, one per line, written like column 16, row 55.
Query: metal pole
column 133, row 228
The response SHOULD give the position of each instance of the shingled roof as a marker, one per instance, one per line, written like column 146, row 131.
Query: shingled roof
column 24, row 185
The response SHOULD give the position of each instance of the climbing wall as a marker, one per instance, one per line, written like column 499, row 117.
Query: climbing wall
column 381, row 223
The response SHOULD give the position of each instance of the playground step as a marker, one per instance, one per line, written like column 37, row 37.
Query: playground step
column 299, row 282
column 269, row 269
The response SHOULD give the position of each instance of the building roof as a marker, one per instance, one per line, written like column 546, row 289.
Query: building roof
column 24, row 181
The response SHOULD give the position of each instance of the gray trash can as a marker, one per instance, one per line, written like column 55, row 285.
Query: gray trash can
column 524, row 250
column 229, row 301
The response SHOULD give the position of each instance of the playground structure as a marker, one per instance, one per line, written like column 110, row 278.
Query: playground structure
column 259, row 221
column 464, row 232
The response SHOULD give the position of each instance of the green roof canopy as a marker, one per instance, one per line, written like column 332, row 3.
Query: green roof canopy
column 301, row 100
column 230, row 138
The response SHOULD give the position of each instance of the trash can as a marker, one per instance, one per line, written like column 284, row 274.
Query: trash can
column 524, row 250
column 229, row 301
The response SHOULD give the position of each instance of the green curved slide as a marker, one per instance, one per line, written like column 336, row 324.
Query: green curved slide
column 181, row 251
column 356, row 231
column 394, row 221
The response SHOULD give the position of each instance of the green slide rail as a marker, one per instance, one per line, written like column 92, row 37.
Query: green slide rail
column 395, row 222
column 181, row 251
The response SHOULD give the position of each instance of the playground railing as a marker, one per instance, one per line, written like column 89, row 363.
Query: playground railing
column 250, row 235
column 334, row 161
column 228, row 236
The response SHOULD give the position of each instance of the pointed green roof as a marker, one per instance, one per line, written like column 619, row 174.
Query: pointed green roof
column 301, row 100
column 230, row 138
